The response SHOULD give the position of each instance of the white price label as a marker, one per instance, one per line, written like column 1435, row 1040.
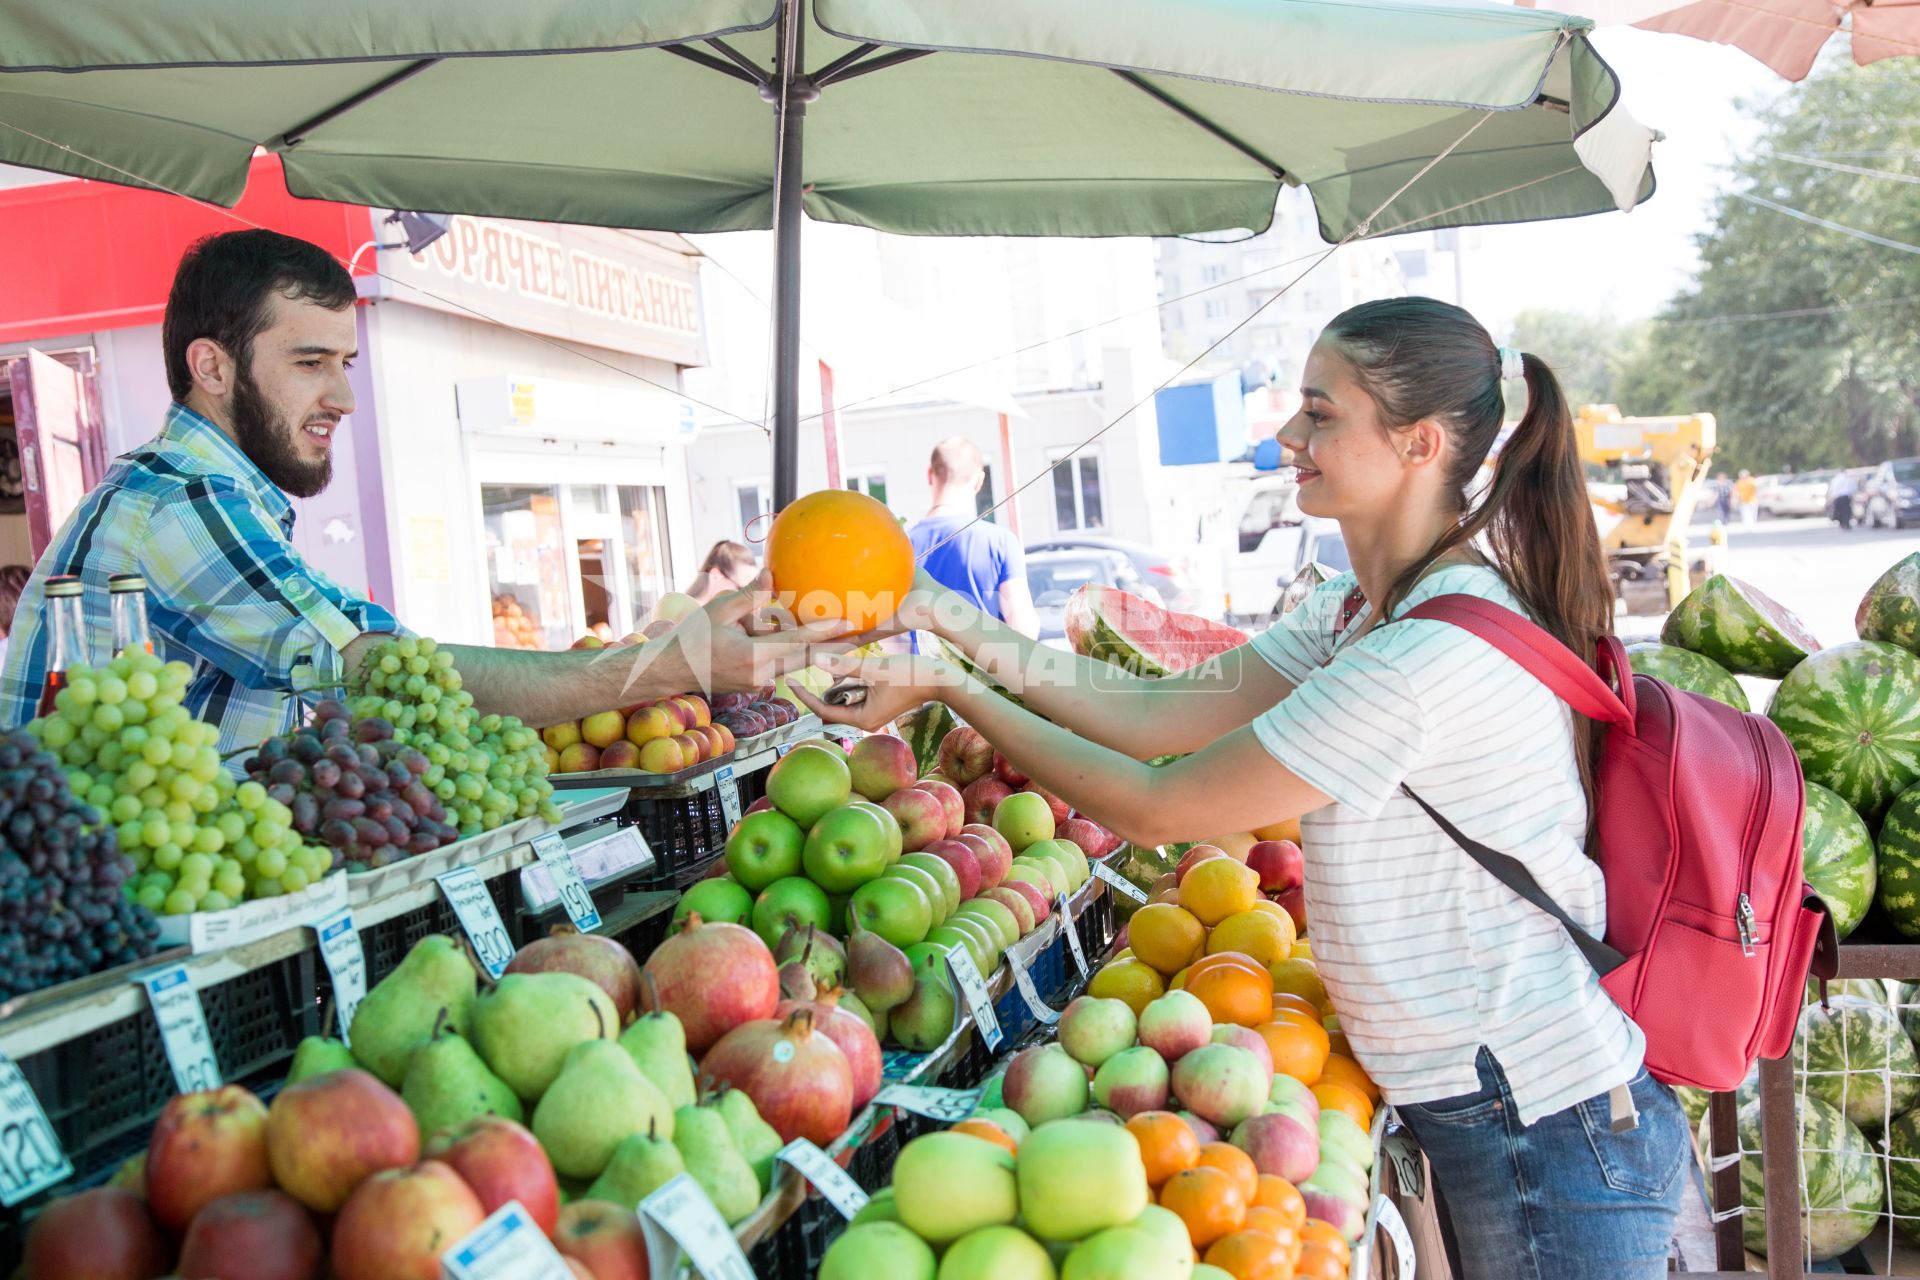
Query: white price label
column 1064, row 915
column 966, row 976
column 553, row 855
column 931, row 1101
column 679, row 1219
column 183, row 1028
column 729, row 795
column 346, row 966
column 828, row 1178
column 1104, row 872
column 507, row 1246
column 1030, row 993
column 467, row 895
column 1386, row 1217
column 30, row 1156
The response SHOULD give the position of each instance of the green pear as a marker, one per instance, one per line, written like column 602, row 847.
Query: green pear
column 715, row 1163
column 658, row 1045
column 598, row 1100
column 641, row 1165
column 317, row 1055
column 924, row 1020
column 756, row 1140
column 525, row 1027
column 434, row 984
column 447, row 1084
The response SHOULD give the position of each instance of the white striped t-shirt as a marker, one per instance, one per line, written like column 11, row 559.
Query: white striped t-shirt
column 1426, row 955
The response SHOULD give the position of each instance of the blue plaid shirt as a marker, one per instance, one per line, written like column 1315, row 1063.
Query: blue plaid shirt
column 226, row 591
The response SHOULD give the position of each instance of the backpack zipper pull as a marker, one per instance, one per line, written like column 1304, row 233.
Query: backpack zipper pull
column 1744, row 918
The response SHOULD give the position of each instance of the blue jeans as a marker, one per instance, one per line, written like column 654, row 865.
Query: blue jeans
column 1564, row 1198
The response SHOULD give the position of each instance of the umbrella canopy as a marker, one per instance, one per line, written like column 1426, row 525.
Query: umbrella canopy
column 993, row 117
column 1787, row 35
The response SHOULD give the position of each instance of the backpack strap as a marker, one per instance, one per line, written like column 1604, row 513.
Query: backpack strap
column 1543, row 656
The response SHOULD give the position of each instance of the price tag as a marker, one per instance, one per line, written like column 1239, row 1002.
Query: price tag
column 30, row 1156
column 828, row 1178
column 1067, row 926
column 780, row 752
column 553, row 855
column 966, row 976
column 346, row 965
column 1030, row 993
column 679, row 1219
column 183, row 1028
column 467, row 895
column 1386, row 1217
column 507, row 1246
column 948, row 1105
column 1104, row 872
column 729, row 794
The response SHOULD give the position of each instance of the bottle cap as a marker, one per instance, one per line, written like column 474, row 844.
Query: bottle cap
column 126, row 582
column 64, row 585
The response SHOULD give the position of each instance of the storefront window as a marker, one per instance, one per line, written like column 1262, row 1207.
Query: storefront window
column 526, row 567
column 643, row 516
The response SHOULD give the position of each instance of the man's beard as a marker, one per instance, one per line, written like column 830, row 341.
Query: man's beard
column 269, row 441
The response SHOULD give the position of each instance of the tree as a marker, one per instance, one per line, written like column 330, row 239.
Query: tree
column 1583, row 347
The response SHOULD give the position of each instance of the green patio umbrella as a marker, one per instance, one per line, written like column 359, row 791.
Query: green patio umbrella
column 935, row 117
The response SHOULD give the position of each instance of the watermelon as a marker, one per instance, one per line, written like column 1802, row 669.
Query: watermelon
column 1141, row 637
column 1837, row 854
column 924, row 728
column 1903, row 1173
column 1872, row 990
column 1890, row 610
column 1694, row 1103
column 1853, row 715
column 1840, row 1172
column 1739, row 627
column 1856, row 1056
column 1685, row 669
column 1900, row 863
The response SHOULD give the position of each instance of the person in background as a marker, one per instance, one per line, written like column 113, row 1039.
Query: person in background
column 1723, row 497
column 1840, row 497
column 1747, row 489
column 13, row 580
column 976, row 559
column 729, row 566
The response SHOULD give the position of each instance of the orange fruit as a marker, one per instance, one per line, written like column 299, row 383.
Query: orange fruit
column 1300, row 1004
column 1288, row 830
column 1271, row 1222
column 1278, row 1194
column 1316, row 1263
column 1218, row 888
column 1233, row 994
column 1235, row 958
column 1299, row 1049
column 1208, row 1200
column 1234, row 1162
column 1251, row 1255
column 989, row 1131
column 838, row 553
column 1265, row 936
column 1338, row 1097
column 1301, row 978
column 1342, row 1069
column 1166, row 936
column 1319, row 1234
column 1131, row 980
column 1167, row 1144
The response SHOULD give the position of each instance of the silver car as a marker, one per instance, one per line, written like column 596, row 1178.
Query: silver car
column 1804, row 494
column 1053, row 576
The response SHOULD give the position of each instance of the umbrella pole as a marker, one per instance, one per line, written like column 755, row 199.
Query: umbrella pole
column 790, row 91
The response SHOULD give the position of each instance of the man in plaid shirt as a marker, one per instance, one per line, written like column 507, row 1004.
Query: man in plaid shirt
column 258, row 337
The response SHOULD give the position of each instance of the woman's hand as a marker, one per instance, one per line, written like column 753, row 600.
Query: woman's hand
column 896, row 684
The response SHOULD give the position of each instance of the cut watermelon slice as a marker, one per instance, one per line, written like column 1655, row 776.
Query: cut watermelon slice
column 1740, row 627
column 1122, row 629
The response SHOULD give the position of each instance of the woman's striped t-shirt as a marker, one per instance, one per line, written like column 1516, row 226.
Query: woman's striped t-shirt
column 1427, row 955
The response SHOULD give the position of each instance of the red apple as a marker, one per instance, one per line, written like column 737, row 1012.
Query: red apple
column 762, row 803
column 982, row 796
column 950, row 801
column 1094, row 840
column 1003, row 767
column 501, row 1161
column 252, row 1235
column 328, row 1133
column 921, row 815
column 102, row 1234
column 997, row 860
column 965, row 755
column 396, row 1224
column 1035, row 899
column 1295, row 901
column 1280, row 864
column 963, row 860
column 606, row 1237
column 1054, row 802
column 204, row 1146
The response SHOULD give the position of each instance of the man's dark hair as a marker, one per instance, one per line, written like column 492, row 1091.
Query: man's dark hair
column 221, row 288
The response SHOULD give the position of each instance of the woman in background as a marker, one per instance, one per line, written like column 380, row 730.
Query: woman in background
column 729, row 566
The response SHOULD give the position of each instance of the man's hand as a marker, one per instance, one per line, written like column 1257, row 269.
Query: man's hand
column 737, row 642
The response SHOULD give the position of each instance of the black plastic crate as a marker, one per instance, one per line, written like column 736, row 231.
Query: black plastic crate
column 642, row 938
column 685, row 833
column 386, row 944
column 795, row 1249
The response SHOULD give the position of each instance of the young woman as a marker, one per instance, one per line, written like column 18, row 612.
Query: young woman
column 1471, row 1008
column 729, row 566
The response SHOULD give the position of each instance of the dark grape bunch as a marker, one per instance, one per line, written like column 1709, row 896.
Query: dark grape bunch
column 64, row 909
column 352, row 788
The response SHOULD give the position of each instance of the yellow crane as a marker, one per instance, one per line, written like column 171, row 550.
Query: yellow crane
column 1648, row 472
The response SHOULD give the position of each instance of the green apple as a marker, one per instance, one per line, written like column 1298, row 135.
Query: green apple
column 764, row 847
column 1166, row 1226
column 875, row 1249
column 1037, row 872
column 1077, row 1177
column 924, row 879
column 792, row 902
column 937, row 867
column 1119, row 1253
column 996, row 1253
column 845, row 849
column 1024, row 818
column 1042, row 1084
column 947, row 1184
column 1063, row 877
column 716, row 900
column 887, row 821
column 1006, row 930
column 894, row 908
column 1006, row 1118
column 808, row 783
column 879, row 1208
column 1068, row 855
column 970, row 938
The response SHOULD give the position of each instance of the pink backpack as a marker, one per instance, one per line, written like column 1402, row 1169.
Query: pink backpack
column 1711, row 930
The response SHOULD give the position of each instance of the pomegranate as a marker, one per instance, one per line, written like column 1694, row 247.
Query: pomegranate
column 854, row 1037
column 601, row 961
column 714, row 978
column 797, row 1077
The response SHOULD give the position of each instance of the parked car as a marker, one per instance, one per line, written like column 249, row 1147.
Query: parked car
column 1056, row 575
column 1804, row 494
column 1861, row 475
column 1892, row 494
column 1162, row 578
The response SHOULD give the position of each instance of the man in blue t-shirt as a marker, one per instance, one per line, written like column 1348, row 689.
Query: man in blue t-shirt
column 976, row 558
